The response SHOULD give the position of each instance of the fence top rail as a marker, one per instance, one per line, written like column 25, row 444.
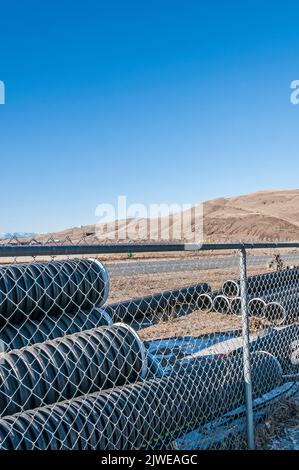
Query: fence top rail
column 60, row 250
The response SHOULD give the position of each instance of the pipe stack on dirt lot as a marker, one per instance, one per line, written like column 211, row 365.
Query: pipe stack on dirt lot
column 272, row 296
column 262, row 282
column 91, row 389
column 143, row 415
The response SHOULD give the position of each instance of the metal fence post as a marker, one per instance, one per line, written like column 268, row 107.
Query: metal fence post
column 246, row 350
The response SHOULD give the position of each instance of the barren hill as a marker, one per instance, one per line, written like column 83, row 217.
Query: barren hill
column 261, row 216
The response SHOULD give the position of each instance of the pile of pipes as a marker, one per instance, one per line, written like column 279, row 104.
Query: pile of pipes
column 144, row 414
column 273, row 297
column 70, row 378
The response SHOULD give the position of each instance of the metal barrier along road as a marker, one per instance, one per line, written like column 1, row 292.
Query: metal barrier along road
column 180, row 346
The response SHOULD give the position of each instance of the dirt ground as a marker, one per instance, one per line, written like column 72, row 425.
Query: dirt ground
column 196, row 324
column 128, row 287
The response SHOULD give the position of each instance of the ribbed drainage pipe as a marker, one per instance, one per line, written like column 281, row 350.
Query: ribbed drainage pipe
column 256, row 307
column 277, row 313
column 143, row 415
column 205, row 303
column 221, row 304
column 236, row 306
column 74, row 365
column 37, row 290
column 283, row 343
column 262, row 282
column 32, row 331
column 155, row 304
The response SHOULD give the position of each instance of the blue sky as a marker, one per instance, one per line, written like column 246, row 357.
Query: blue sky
column 161, row 101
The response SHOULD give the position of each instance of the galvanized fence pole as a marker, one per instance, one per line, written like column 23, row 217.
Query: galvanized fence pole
column 246, row 350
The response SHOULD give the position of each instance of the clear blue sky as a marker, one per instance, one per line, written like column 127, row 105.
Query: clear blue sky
column 162, row 101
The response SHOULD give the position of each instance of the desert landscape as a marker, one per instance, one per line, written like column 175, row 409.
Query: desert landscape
column 261, row 216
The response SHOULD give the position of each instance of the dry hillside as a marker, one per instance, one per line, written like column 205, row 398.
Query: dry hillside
column 261, row 216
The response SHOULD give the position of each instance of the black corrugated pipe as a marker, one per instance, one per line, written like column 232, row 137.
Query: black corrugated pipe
column 282, row 311
column 37, row 290
column 205, row 303
column 155, row 304
column 143, row 415
column 221, row 304
column 262, row 282
column 283, row 343
column 71, row 366
column 257, row 305
column 33, row 331
column 236, row 305
column 277, row 313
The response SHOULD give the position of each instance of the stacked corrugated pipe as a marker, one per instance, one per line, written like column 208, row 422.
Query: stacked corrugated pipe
column 273, row 297
column 64, row 368
column 43, row 365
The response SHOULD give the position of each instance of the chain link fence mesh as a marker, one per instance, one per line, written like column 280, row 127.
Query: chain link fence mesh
column 273, row 303
column 142, row 351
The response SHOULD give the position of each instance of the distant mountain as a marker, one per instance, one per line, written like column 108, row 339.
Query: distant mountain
column 262, row 216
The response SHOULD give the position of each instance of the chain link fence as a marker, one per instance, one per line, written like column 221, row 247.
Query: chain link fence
column 145, row 347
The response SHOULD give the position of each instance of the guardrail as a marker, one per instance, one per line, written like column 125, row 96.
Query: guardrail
column 7, row 250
